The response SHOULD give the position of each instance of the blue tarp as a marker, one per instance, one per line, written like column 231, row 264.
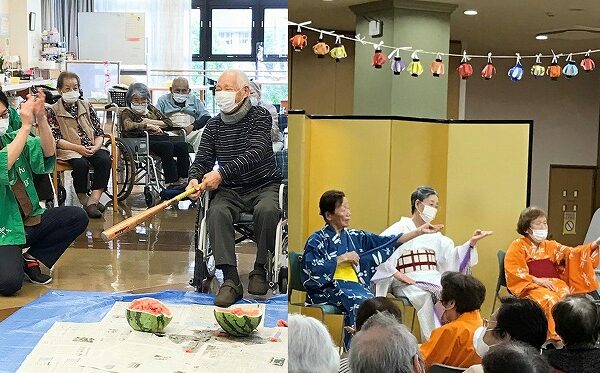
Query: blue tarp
column 21, row 331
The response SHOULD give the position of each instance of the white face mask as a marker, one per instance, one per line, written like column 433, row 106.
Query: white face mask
column 226, row 101
column 254, row 100
column 428, row 213
column 179, row 98
column 539, row 234
column 3, row 126
column 70, row 97
column 481, row 348
column 141, row 109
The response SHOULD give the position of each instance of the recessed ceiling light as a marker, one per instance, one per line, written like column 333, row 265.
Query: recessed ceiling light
column 541, row 37
column 470, row 12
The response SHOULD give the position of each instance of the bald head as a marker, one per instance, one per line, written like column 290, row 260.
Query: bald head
column 233, row 80
column 180, row 85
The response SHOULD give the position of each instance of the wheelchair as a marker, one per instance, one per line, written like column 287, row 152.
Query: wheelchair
column 135, row 164
column 204, row 262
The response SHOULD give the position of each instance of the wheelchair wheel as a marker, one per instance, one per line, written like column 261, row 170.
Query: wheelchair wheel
column 61, row 195
column 150, row 196
column 204, row 273
column 125, row 170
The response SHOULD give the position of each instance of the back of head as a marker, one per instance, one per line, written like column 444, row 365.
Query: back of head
column 514, row 357
column 310, row 347
column 467, row 292
column 372, row 306
column 577, row 320
column 420, row 194
column 522, row 320
column 137, row 89
column 383, row 345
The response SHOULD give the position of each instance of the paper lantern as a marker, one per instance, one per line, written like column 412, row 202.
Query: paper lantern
column 338, row 51
column 299, row 41
column 570, row 70
column 489, row 70
column 516, row 72
column 414, row 67
column 587, row 64
column 465, row 70
column 437, row 66
column 397, row 65
column 538, row 69
column 379, row 59
column 321, row 48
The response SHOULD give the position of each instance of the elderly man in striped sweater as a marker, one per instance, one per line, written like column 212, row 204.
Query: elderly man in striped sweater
column 246, row 180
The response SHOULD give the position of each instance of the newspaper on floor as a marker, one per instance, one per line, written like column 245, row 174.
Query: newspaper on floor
column 192, row 342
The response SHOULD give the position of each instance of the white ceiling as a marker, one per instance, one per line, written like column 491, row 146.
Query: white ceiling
column 502, row 26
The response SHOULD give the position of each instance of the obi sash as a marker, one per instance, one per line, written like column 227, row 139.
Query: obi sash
column 417, row 260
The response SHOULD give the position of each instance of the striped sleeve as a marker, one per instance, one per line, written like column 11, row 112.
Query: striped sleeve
column 206, row 155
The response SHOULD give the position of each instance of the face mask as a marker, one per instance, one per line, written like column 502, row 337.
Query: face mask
column 428, row 213
column 179, row 98
column 139, row 108
column 3, row 126
column 226, row 101
column 70, row 97
column 254, row 100
column 480, row 346
column 539, row 234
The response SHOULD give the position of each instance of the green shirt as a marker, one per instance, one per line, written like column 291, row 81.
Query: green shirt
column 31, row 160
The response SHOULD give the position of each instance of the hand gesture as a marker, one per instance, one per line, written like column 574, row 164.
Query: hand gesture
column 478, row 235
column 193, row 184
column 404, row 278
column 39, row 110
column 350, row 256
column 84, row 150
column 429, row 228
column 27, row 112
column 212, row 180
column 596, row 244
column 189, row 129
column 154, row 128
column 545, row 282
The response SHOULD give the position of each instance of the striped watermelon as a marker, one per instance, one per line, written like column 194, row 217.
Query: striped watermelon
column 148, row 315
column 240, row 321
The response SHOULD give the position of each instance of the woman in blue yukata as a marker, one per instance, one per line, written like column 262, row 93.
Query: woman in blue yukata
column 338, row 263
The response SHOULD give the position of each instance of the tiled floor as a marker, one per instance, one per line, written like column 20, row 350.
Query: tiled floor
column 158, row 255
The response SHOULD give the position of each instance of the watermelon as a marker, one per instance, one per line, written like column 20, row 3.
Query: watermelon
column 148, row 315
column 240, row 321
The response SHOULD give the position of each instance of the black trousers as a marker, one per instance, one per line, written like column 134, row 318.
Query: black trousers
column 167, row 151
column 43, row 187
column 224, row 210
column 47, row 241
column 100, row 162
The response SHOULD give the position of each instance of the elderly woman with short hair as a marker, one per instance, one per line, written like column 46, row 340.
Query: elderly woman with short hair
column 139, row 116
column 338, row 262
column 547, row 271
column 311, row 349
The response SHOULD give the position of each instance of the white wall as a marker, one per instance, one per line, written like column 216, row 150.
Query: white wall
column 25, row 43
column 565, row 114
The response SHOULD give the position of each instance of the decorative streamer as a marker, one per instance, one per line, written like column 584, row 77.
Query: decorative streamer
column 465, row 70
column 414, row 67
column 554, row 70
column 587, row 64
column 537, row 69
column 379, row 59
column 398, row 64
column 338, row 51
column 489, row 70
column 516, row 72
column 437, row 66
column 570, row 70
column 321, row 48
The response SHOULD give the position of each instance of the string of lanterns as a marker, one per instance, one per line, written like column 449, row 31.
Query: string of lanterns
column 437, row 68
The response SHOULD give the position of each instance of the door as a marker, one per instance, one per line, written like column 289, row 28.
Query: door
column 570, row 203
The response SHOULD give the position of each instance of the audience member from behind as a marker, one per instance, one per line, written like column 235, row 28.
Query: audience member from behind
column 367, row 309
column 514, row 357
column 384, row 345
column 517, row 319
column 578, row 324
column 311, row 349
column 452, row 343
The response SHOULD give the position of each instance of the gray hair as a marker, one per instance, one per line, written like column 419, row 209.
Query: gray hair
column 241, row 77
column 310, row 347
column 383, row 345
column 136, row 89
column 256, row 87
column 181, row 79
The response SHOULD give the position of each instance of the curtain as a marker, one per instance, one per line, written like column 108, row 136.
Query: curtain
column 62, row 14
column 167, row 31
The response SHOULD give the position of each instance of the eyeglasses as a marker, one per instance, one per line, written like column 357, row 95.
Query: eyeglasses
column 4, row 114
column 488, row 324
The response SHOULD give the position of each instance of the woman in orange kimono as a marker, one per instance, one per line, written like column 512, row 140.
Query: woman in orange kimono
column 546, row 271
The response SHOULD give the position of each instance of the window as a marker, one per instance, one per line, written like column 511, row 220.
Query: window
column 275, row 26
column 231, row 32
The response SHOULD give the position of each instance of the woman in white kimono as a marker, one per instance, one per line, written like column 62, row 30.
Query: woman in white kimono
column 415, row 270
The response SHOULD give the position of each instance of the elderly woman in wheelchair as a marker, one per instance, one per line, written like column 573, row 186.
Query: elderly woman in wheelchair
column 141, row 116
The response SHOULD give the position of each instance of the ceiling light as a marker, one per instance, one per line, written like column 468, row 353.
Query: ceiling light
column 470, row 12
column 541, row 37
